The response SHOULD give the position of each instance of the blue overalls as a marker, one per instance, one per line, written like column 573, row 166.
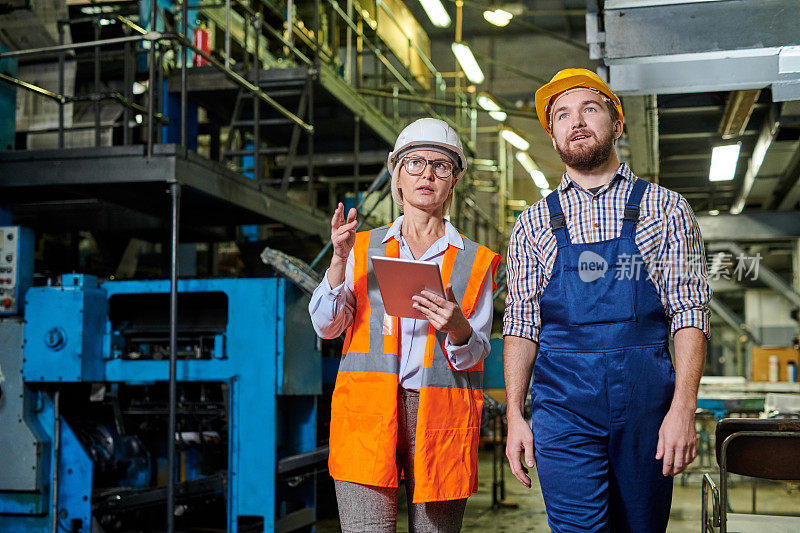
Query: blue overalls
column 603, row 381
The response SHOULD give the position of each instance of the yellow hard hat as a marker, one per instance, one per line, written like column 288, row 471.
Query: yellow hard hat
column 571, row 78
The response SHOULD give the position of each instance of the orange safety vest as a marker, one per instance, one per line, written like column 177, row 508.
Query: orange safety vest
column 363, row 441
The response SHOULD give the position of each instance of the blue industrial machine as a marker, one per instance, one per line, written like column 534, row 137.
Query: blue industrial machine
column 16, row 267
column 83, row 414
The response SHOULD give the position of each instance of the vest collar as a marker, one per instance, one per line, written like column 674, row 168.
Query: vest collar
column 451, row 235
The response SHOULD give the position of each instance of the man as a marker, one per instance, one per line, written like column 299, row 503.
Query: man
column 599, row 274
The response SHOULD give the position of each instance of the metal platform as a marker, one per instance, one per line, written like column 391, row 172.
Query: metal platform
column 119, row 187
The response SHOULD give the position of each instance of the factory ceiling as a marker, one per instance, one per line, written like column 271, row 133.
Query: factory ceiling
column 672, row 125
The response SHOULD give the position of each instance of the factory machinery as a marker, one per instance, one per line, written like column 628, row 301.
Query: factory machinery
column 84, row 402
column 182, row 394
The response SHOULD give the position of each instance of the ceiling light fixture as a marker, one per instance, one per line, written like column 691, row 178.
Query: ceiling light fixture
column 532, row 168
column 516, row 140
column 498, row 17
column 723, row 162
column 488, row 103
column 436, row 12
column 468, row 63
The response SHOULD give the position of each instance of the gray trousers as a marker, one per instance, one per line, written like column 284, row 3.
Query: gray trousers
column 368, row 509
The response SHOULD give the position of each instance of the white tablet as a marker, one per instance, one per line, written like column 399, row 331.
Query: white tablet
column 400, row 279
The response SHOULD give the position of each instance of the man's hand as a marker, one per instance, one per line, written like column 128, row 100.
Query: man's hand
column 677, row 440
column 520, row 439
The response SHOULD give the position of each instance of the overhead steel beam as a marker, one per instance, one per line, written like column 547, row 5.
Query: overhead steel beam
column 679, row 47
column 765, row 138
column 697, row 27
column 750, row 227
column 724, row 71
column 737, row 113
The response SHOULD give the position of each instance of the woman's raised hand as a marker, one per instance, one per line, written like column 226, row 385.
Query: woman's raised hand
column 343, row 232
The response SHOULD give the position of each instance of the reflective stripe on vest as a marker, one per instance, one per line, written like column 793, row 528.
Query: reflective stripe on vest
column 364, row 410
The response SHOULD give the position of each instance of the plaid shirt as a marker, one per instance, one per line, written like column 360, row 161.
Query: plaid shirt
column 667, row 236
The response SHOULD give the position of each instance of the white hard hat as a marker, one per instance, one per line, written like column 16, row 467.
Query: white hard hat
column 430, row 133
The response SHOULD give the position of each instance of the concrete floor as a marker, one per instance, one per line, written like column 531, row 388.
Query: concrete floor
column 529, row 513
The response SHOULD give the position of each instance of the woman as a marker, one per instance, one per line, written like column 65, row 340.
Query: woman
column 408, row 394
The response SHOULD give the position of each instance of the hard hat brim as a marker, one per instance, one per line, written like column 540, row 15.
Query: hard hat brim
column 545, row 93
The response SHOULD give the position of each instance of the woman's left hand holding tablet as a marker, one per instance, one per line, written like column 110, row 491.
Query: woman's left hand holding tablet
column 444, row 314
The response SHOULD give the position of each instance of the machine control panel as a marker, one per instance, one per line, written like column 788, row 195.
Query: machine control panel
column 16, row 267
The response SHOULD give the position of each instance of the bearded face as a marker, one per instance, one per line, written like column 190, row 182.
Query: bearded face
column 585, row 156
column 583, row 132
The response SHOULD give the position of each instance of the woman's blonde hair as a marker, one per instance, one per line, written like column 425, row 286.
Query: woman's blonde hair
column 397, row 193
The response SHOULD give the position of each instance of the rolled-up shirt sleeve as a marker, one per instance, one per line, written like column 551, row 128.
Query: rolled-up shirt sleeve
column 687, row 290
column 477, row 347
column 524, row 279
column 332, row 308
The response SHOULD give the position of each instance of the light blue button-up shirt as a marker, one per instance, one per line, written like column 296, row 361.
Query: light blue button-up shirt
column 332, row 311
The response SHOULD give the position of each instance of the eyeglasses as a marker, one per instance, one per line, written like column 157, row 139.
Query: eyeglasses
column 417, row 165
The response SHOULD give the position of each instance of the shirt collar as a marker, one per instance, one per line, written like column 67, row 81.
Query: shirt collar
column 624, row 172
column 451, row 235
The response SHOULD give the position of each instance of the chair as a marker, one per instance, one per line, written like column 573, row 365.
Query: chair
column 759, row 448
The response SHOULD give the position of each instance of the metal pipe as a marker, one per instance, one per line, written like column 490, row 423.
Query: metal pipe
column 127, row 83
column 348, row 56
column 32, row 88
column 356, row 153
column 290, row 23
column 244, row 44
column 151, row 36
column 510, row 68
column 184, row 96
column 56, row 458
column 316, row 36
column 60, row 25
column 151, row 78
column 160, row 94
column 435, row 101
column 227, row 33
column 310, row 117
column 96, row 104
column 256, row 102
column 175, row 193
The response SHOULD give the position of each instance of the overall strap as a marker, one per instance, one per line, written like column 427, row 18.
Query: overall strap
column 631, row 215
column 557, row 221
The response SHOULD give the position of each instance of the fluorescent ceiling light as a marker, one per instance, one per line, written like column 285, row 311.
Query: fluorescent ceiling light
column 498, row 17
column 532, row 168
column 515, row 139
column 539, row 180
column 488, row 103
column 723, row 162
column 545, row 192
column 436, row 12
column 468, row 63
